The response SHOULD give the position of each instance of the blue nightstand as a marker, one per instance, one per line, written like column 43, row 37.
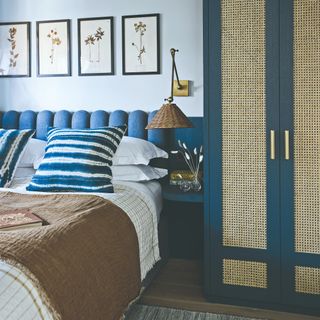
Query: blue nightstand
column 173, row 193
column 184, row 213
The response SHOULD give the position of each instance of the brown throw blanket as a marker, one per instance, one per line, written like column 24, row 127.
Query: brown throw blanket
column 85, row 263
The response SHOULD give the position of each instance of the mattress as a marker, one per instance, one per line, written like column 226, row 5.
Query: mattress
column 141, row 201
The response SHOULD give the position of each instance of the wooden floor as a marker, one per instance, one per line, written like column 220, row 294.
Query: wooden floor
column 178, row 285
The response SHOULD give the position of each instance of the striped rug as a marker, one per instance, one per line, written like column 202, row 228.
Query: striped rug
column 142, row 312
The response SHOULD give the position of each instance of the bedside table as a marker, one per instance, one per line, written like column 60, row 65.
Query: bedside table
column 173, row 193
column 184, row 213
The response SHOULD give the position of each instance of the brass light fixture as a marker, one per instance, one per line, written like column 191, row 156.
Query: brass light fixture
column 170, row 115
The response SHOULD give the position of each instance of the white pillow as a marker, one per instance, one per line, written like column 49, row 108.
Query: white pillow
column 24, row 173
column 136, row 151
column 34, row 152
column 139, row 172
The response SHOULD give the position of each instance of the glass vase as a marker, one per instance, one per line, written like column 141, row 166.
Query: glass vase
column 196, row 184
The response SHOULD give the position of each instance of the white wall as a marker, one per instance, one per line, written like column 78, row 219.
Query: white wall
column 181, row 28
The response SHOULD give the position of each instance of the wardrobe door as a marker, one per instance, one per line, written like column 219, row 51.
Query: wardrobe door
column 300, row 183
column 242, row 110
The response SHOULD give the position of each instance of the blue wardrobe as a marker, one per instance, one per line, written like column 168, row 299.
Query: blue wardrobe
column 262, row 125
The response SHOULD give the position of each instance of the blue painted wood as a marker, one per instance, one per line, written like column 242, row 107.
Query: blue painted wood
column 193, row 137
column 286, row 123
column 215, row 252
column 173, row 193
column 273, row 166
column 290, row 258
column 280, row 256
column 208, row 40
column 213, row 147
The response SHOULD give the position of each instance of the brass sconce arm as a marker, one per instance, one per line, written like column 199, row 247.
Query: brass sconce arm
column 170, row 115
column 173, row 72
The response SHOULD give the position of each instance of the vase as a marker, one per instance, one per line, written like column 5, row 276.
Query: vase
column 196, row 184
column 185, row 186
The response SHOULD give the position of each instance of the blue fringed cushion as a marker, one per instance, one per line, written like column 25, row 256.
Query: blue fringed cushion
column 12, row 146
column 78, row 160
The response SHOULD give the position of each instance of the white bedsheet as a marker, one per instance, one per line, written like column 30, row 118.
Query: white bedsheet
column 141, row 201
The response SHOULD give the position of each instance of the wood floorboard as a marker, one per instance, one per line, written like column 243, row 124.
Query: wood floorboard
column 179, row 285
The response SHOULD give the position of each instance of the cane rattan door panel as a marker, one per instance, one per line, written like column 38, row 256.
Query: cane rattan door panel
column 307, row 125
column 306, row 128
column 307, row 280
column 244, row 157
column 245, row 273
column 243, row 124
column 263, row 112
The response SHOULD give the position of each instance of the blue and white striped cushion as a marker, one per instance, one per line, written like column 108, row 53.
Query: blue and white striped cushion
column 12, row 146
column 78, row 160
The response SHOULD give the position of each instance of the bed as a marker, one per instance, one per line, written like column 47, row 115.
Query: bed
column 20, row 297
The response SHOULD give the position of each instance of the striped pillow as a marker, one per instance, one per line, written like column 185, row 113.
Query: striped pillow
column 12, row 146
column 78, row 160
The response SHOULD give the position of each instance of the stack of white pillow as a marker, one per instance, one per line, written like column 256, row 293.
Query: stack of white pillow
column 130, row 163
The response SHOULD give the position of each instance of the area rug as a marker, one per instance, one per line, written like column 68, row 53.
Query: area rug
column 142, row 312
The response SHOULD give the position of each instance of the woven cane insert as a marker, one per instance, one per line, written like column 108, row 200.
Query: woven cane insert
column 307, row 280
column 245, row 273
column 307, row 125
column 244, row 123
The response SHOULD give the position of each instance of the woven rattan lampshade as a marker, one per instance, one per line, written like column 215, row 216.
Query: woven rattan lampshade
column 169, row 116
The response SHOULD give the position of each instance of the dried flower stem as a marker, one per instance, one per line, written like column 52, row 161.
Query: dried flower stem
column 141, row 28
column 13, row 55
column 193, row 161
column 55, row 41
column 91, row 40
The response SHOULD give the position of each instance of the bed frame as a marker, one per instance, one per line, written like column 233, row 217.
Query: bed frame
column 136, row 121
column 40, row 121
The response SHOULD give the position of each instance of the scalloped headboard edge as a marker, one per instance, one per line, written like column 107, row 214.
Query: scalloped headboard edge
column 40, row 121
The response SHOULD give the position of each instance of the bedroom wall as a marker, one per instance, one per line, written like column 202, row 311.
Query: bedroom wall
column 181, row 28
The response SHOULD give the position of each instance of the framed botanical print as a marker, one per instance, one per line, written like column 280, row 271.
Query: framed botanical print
column 141, row 44
column 53, row 48
column 15, row 49
column 95, row 46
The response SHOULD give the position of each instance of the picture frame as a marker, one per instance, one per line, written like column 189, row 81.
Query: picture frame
column 141, row 44
column 15, row 49
column 53, row 48
column 95, row 46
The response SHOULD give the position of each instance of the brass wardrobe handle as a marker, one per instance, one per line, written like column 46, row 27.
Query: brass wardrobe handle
column 272, row 145
column 287, row 145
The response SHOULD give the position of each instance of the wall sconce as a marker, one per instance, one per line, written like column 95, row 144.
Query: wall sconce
column 170, row 115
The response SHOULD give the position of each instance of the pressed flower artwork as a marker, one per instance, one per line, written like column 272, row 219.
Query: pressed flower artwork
column 140, row 44
column 95, row 42
column 55, row 41
column 54, row 48
column 140, row 28
column 15, row 49
column 14, row 55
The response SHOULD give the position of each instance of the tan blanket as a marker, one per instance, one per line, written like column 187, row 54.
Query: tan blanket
column 85, row 263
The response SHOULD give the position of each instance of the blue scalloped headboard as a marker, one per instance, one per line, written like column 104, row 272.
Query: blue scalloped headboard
column 136, row 121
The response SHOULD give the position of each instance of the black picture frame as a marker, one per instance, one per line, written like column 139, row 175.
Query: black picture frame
column 27, row 50
column 156, row 66
column 68, row 49
column 111, row 43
